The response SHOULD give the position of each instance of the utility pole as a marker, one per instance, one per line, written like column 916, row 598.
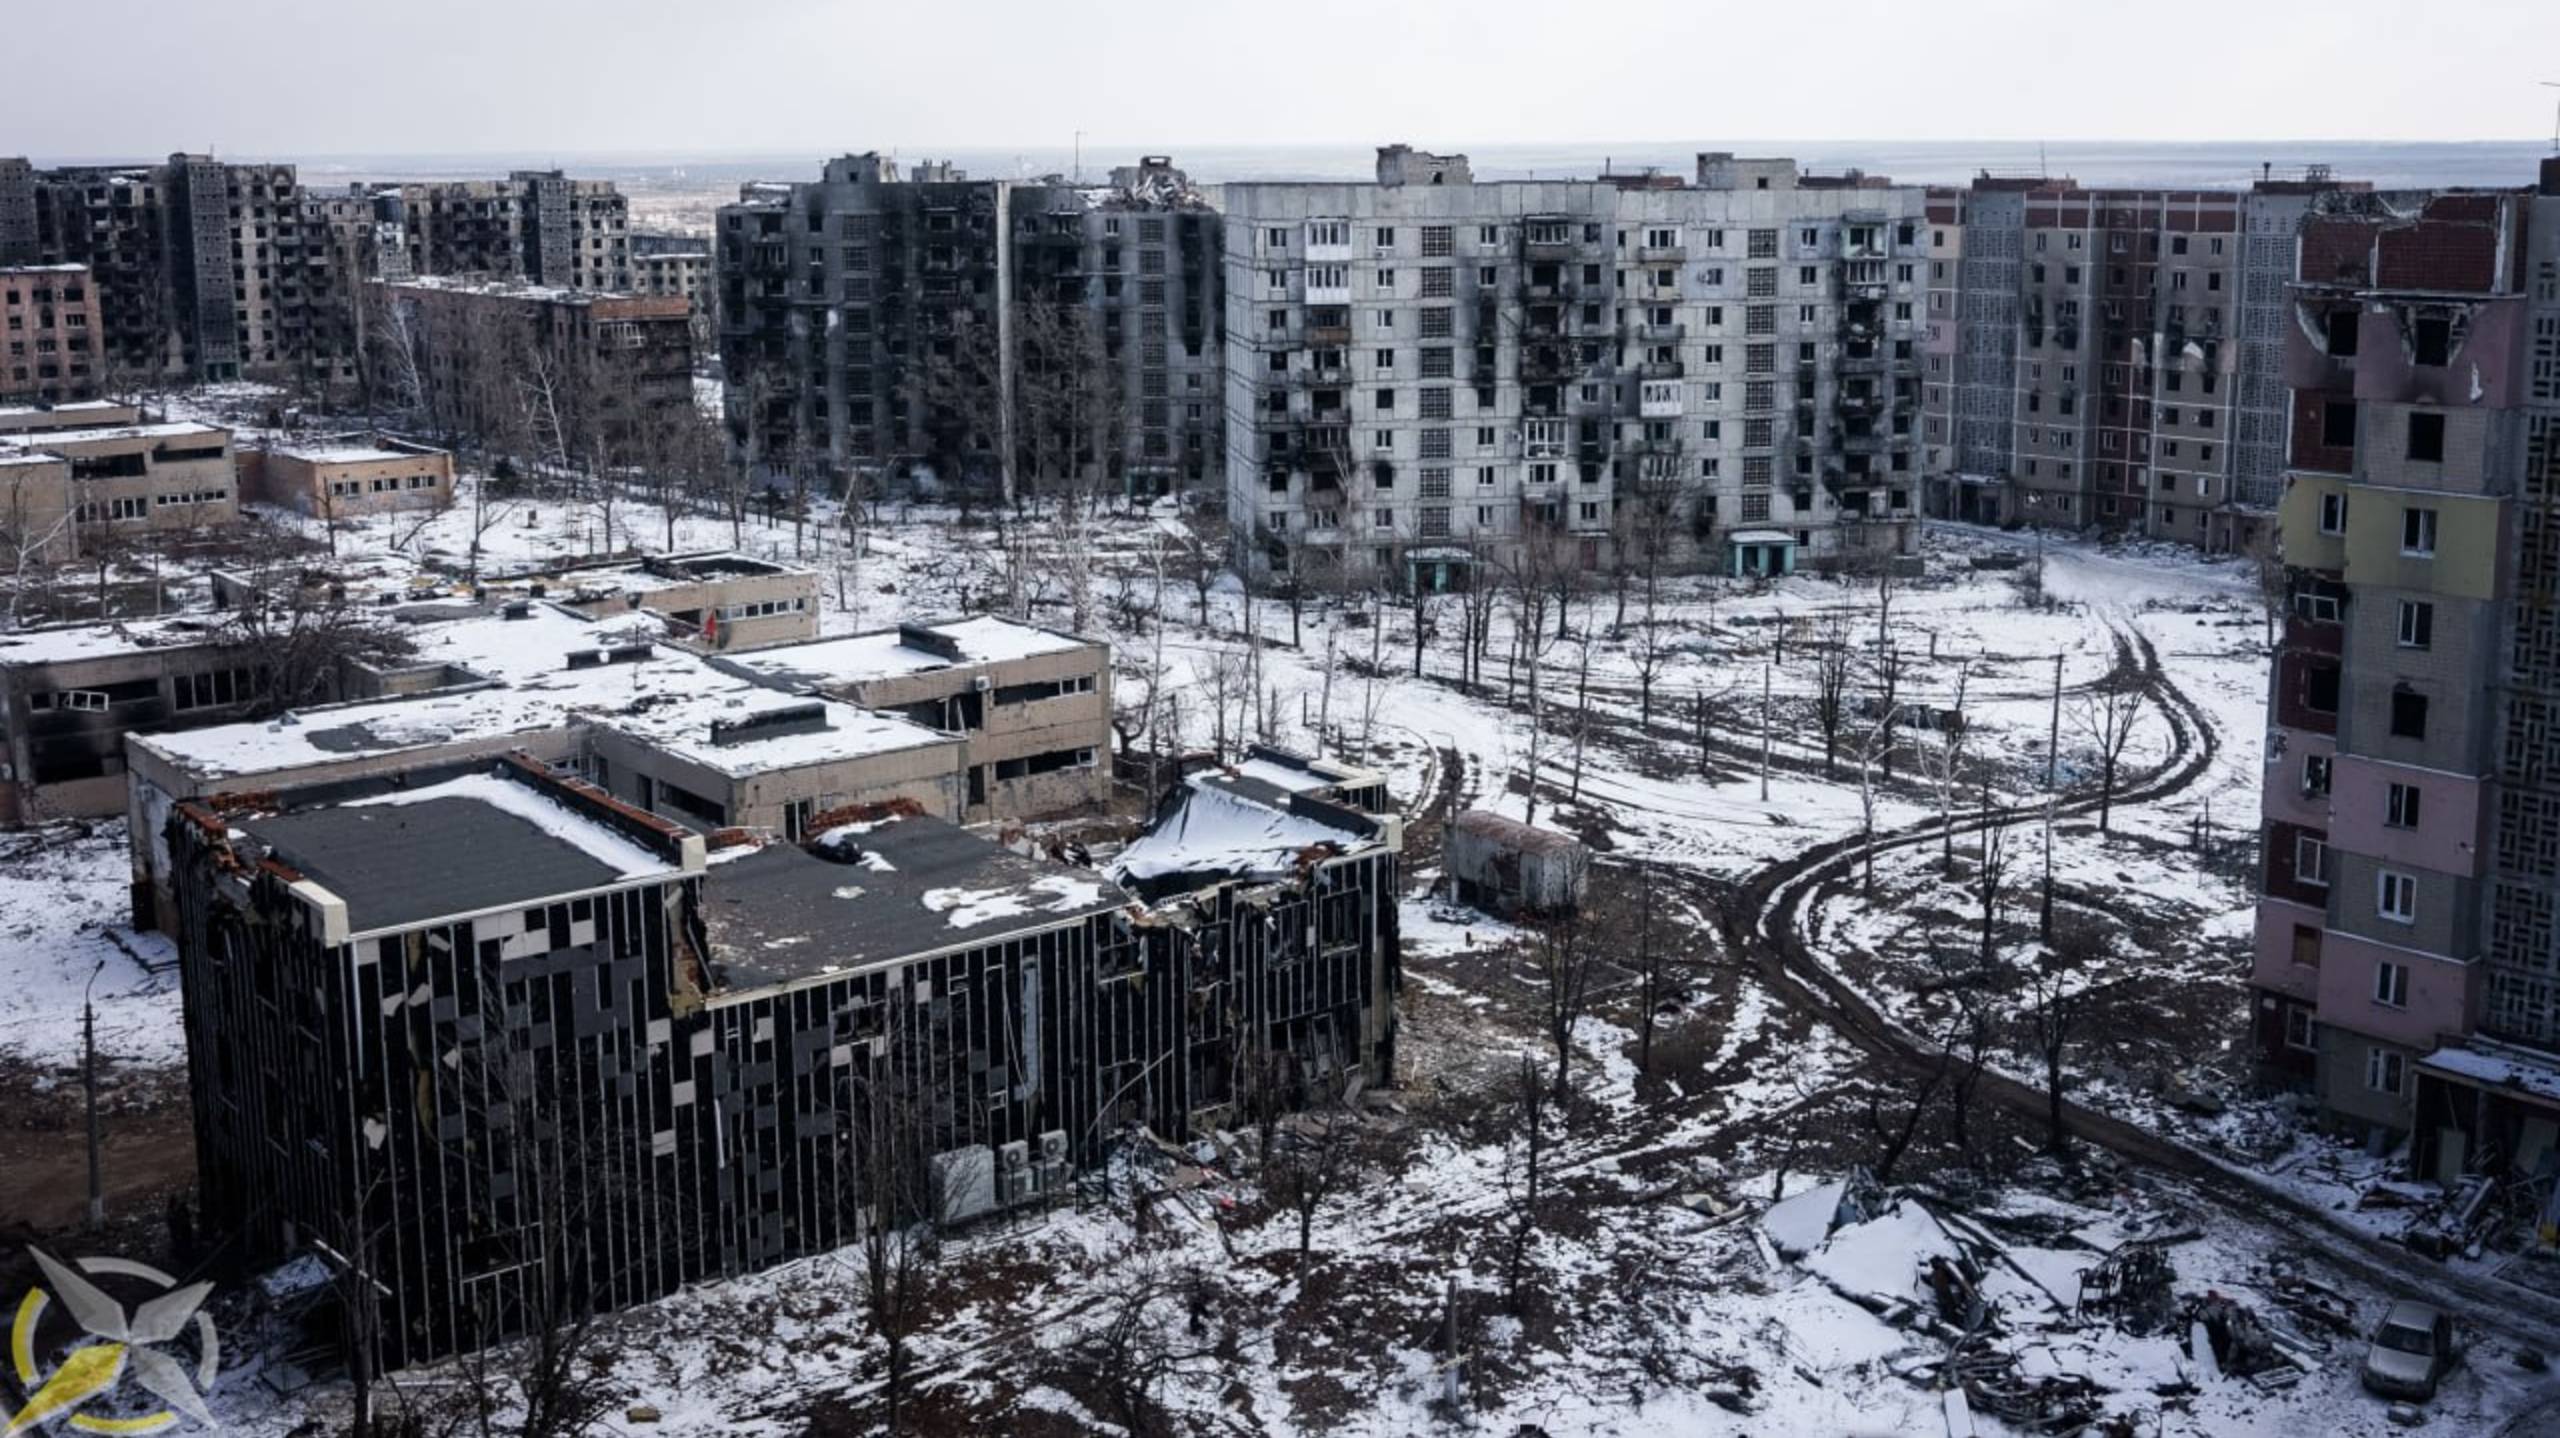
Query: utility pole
column 2053, row 731
column 2044, row 912
column 89, row 1082
column 1764, row 733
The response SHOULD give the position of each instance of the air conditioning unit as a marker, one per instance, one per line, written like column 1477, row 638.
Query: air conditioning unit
column 981, row 683
column 1053, row 1146
column 1015, row 1186
column 1013, row 1157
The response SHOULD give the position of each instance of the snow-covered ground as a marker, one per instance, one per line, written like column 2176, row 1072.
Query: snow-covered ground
column 1644, row 1313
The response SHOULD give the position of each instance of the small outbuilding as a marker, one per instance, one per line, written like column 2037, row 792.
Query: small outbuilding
column 1506, row 867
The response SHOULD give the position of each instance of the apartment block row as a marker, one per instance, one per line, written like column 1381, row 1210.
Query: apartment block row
column 202, row 270
column 2112, row 358
column 2408, row 944
column 987, row 332
column 1428, row 373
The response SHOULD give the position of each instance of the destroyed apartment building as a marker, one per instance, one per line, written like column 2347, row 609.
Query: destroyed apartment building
column 455, row 1027
column 665, row 730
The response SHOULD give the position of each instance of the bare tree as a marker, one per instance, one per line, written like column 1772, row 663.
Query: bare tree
column 2058, row 991
column 1152, row 1331
column 1654, row 965
column 956, row 389
column 2274, row 582
column 900, row 1200
column 1944, row 764
column 1894, row 1136
column 1991, row 876
column 1524, row 1162
column 35, row 532
column 1311, row 1157
column 2107, row 717
column 1831, row 686
column 1563, row 964
column 1652, row 652
column 1581, row 708
column 301, row 640
column 1969, row 1041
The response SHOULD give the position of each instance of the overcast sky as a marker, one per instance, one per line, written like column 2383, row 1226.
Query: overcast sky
column 290, row 78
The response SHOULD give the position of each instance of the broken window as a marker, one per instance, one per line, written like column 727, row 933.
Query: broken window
column 2408, row 713
column 2426, row 436
column 2338, row 424
column 2320, row 688
column 2432, row 339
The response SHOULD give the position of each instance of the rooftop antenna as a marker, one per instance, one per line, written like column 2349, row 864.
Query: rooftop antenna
column 1079, row 157
column 2555, row 114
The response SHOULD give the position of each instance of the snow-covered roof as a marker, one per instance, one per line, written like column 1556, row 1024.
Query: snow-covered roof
column 69, row 642
column 891, row 653
column 1222, row 827
column 1760, row 536
column 666, row 698
column 609, row 847
column 466, row 844
column 342, row 451
column 30, row 456
column 168, row 429
column 77, row 406
column 2495, row 1067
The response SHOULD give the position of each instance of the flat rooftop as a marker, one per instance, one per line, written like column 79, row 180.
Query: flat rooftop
column 343, row 450
column 551, row 668
column 669, row 572
column 169, row 429
column 892, row 653
column 878, row 891
column 70, row 642
column 463, row 846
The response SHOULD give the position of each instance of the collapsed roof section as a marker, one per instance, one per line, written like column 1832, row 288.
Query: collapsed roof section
column 1221, row 827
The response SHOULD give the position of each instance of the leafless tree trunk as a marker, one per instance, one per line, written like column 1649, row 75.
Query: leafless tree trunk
column 1530, row 1096
column 2107, row 717
column 1831, row 686
column 1564, row 964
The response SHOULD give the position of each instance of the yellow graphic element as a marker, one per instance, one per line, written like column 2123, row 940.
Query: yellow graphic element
column 94, row 1368
column 84, row 1375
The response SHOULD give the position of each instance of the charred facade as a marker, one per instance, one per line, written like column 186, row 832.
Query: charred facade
column 497, row 1048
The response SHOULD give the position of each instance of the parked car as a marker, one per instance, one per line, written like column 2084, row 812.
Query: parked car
column 2411, row 1352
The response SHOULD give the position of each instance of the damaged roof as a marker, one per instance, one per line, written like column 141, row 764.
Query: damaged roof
column 1230, row 826
column 468, row 845
column 885, row 889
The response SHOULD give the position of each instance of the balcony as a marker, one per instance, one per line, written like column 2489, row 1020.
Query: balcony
column 1552, row 243
column 1661, row 369
column 1663, row 255
column 1328, row 336
column 1544, row 363
column 1662, row 334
